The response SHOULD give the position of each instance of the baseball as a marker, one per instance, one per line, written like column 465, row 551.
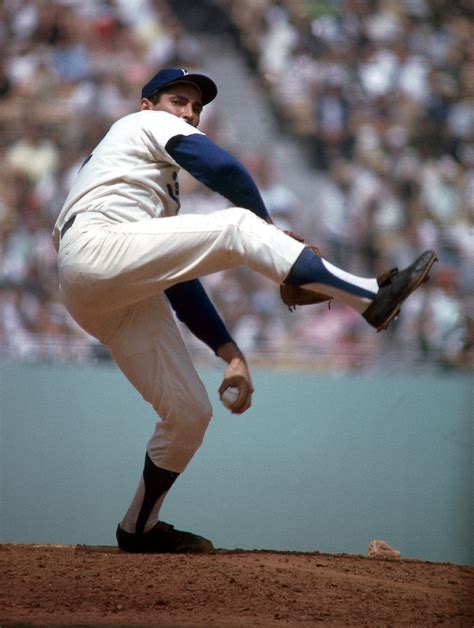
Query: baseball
column 229, row 396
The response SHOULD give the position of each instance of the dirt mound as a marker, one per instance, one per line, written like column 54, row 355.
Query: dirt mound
column 49, row 584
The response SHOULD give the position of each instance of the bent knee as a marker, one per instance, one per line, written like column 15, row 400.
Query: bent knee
column 193, row 423
column 240, row 226
column 198, row 408
column 187, row 418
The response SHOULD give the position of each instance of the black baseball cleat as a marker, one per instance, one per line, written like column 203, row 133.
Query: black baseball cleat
column 163, row 539
column 394, row 287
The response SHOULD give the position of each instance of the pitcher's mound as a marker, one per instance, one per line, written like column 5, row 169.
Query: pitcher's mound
column 58, row 584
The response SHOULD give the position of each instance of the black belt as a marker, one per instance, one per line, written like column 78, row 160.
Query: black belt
column 67, row 225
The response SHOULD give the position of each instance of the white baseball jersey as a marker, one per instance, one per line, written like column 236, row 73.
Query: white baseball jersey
column 133, row 177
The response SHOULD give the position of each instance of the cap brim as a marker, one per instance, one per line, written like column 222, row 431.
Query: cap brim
column 206, row 86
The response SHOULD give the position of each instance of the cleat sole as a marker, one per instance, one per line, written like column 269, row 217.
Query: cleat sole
column 423, row 278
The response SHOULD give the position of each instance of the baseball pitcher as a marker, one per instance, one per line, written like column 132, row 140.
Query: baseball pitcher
column 127, row 259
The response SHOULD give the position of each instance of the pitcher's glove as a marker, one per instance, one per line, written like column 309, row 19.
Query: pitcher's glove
column 293, row 295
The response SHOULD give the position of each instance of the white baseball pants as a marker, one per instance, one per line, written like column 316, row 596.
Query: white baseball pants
column 112, row 276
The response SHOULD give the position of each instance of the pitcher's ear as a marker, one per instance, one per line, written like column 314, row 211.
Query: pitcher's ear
column 145, row 104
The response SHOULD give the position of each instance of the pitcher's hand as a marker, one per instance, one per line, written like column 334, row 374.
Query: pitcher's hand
column 236, row 375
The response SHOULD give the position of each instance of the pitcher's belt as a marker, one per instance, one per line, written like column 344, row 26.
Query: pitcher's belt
column 67, row 225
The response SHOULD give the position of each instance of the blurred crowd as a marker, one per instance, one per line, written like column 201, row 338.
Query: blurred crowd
column 379, row 93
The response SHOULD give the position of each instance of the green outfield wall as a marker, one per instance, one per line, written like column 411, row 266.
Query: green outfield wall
column 321, row 462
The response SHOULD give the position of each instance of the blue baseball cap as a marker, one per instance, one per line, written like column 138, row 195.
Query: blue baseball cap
column 166, row 77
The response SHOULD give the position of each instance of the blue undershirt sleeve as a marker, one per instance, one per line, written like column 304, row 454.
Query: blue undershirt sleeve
column 194, row 308
column 218, row 170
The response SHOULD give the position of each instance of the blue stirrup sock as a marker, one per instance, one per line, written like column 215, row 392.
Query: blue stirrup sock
column 315, row 273
column 153, row 488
